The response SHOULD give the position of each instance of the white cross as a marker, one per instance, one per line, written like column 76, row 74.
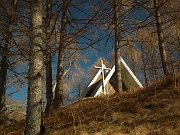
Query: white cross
column 103, row 67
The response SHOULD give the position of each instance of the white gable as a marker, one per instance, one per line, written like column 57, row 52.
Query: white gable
column 96, row 88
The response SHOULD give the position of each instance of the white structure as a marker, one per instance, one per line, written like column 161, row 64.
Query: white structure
column 103, row 82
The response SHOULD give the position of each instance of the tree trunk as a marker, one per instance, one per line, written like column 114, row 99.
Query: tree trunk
column 4, row 65
column 117, row 49
column 144, row 66
column 161, row 38
column 49, row 94
column 133, row 63
column 153, row 67
column 34, row 103
column 58, row 100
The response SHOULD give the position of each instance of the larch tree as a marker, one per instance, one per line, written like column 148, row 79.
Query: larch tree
column 162, row 16
column 112, row 20
column 58, row 99
column 171, row 16
column 75, row 34
column 10, row 13
column 35, row 88
column 161, row 41
column 49, row 94
column 144, row 66
column 150, row 61
column 117, row 48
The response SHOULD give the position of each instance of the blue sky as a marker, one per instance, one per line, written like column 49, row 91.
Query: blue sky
column 92, row 56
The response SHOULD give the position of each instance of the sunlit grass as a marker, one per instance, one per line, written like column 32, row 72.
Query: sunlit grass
column 151, row 111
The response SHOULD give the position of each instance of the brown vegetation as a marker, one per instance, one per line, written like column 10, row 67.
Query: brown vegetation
column 151, row 111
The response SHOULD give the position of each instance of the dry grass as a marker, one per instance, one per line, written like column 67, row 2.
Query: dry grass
column 152, row 111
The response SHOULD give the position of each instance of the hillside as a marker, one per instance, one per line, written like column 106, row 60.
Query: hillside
column 151, row 111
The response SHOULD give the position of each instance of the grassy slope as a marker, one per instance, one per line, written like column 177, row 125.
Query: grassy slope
column 152, row 111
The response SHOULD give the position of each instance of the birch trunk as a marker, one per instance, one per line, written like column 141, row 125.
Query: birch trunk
column 34, row 103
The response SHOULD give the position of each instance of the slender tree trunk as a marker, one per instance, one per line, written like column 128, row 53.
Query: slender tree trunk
column 133, row 64
column 49, row 94
column 161, row 38
column 117, row 49
column 58, row 101
column 34, row 103
column 153, row 67
column 144, row 66
column 4, row 65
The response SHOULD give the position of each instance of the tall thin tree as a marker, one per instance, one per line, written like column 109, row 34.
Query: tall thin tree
column 34, row 105
column 161, row 42
column 117, row 48
column 5, row 52
column 49, row 94
column 58, row 100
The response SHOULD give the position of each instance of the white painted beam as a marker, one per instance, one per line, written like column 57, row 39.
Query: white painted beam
column 128, row 77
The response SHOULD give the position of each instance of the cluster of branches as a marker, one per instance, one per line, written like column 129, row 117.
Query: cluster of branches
column 46, row 40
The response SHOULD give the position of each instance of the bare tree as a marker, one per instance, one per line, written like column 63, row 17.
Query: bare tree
column 161, row 42
column 49, row 94
column 58, row 100
column 144, row 65
column 34, row 105
column 6, row 50
column 117, row 48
